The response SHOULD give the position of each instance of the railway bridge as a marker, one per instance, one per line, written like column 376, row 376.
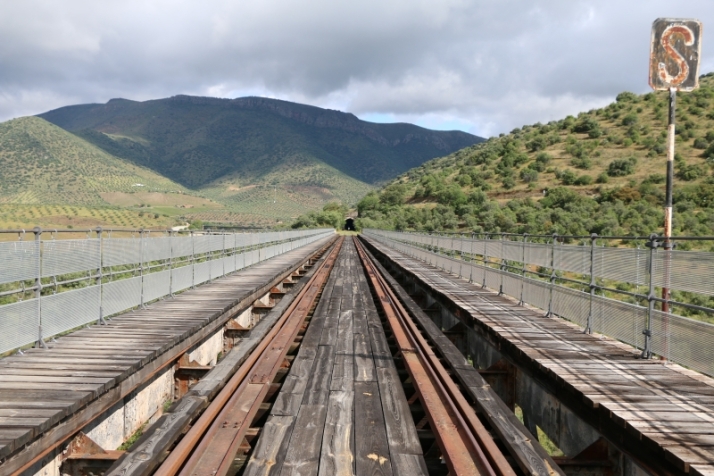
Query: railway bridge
column 309, row 353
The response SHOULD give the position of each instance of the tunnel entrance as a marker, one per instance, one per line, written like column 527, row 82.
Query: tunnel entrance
column 349, row 224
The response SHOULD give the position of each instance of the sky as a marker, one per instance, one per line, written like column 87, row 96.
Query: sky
column 482, row 66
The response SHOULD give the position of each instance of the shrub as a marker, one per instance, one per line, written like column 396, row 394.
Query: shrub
column 621, row 167
column 568, row 177
column 700, row 143
column 629, row 119
column 539, row 143
column 655, row 178
column 586, row 124
column 584, row 163
column 529, row 175
column 626, row 96
column 584, row 180
column 689, row 172
column 602, row 178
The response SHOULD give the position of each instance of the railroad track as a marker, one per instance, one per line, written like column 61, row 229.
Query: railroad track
column 222, row 440
column 465, row 444
column 211, row 444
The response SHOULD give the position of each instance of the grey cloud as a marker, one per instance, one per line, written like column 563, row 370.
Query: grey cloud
column 492, row 65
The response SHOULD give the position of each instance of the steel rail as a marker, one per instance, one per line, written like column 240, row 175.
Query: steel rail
column 209, row 447
column 465, row 443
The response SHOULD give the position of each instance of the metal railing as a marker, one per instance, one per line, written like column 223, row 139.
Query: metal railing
column 50, row 286
column 588, row 284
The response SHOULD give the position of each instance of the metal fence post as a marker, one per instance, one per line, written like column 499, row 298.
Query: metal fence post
column 552, row 276
column 171, row 264
column 485, row 259
column 223, row 254
column 141, row 265
column 523, row 268
column 38, row 285
column 647, row 348
column 589, row 327
column 502, row 267
column 193, row 260
column 98, row 280
column 471, row 260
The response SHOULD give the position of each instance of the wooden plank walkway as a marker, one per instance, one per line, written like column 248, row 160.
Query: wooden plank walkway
column 341, row 409
column 93, row 368
column 663, row 408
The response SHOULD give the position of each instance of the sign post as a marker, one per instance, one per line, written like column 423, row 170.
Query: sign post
column 674, row 66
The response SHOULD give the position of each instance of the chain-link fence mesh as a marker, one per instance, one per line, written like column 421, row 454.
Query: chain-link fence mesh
column 52, row 286
column 677, row 338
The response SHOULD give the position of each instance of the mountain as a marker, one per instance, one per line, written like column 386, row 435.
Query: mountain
column 41, row 163
column 257, row 155
column 600, row 172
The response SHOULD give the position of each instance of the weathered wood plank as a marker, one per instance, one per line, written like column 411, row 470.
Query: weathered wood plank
column 303, row 454
column 338, row 451
column 269, row 453
column 371, row 446
column 398, row 420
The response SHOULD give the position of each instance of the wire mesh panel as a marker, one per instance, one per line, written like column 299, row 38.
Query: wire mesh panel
column 572, row 258
column 691, row 271
column 229, row 241
column 513, row 250
column 536, row 293
column 201, row 244
column 621, row 264
column 493, row 278
column 685, row 341
column 118, row 296
column 240, row 261
column 156, row 285
column 571, row 305
column 216, row 268
column 64, row 311
column 69, row 256
column 182, row 246
column 512, row 285
column 254, row 256
column 121, row 251
column 156, row 249
column 18, row 324
column 479, row 247
column 18, row 261
column 620, row 320
column 181, row 278
column 229, row 264
column 493, row 249
column 202, row 272
column 538, row 254
column 215, row 242
column 240, row 240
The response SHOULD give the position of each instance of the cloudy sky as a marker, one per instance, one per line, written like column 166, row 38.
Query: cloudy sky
column 483, row 66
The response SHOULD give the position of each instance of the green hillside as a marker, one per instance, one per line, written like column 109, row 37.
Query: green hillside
column 260, row 157
column 43, row 164
column 52, row 178
column 601, row 172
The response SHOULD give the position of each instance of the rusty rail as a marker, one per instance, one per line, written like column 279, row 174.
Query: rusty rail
column 210, row 446
column 465, row 443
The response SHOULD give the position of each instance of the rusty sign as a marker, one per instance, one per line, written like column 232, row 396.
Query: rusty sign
column 675, row 51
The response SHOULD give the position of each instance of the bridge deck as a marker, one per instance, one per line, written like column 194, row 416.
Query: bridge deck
column 341, row 409
column 92, row 368
column 662, row 408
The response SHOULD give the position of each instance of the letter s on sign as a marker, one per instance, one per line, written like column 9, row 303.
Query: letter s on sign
column 668, row 44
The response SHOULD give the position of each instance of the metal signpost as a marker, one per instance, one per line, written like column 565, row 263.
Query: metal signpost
column 674, row 66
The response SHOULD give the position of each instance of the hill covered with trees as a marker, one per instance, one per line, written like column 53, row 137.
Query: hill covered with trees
column 600, row 172
column 258, row 156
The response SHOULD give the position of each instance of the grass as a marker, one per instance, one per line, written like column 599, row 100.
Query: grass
column 126, row 446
